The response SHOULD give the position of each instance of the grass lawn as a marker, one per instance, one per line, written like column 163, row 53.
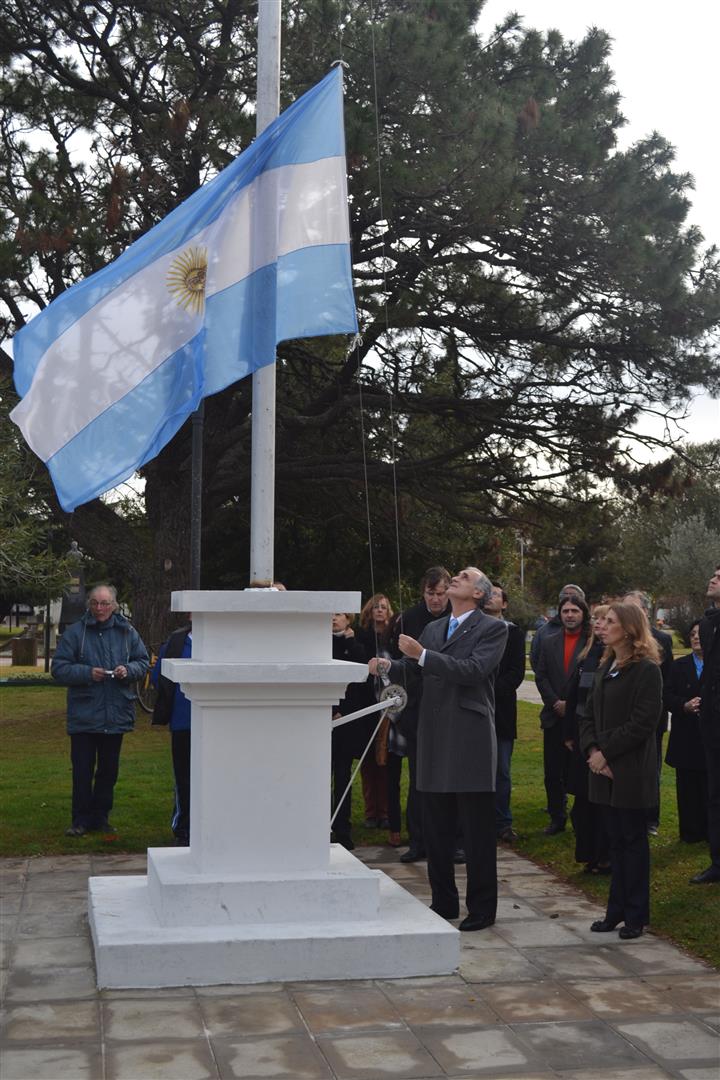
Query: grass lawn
column 35, row 784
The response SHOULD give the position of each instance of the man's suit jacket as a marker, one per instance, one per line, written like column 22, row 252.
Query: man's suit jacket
column 510, row 674
column 457, row 749
column 551, row 678
column 685, row 749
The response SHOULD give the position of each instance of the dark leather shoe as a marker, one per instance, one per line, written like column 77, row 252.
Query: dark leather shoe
column 459, row 857
column 627, row 933
column 554, row 828
column 445, row 914
column 476, row 922
column 706, row 877
column 76, row 830
column 603, row 926
column 412, row 855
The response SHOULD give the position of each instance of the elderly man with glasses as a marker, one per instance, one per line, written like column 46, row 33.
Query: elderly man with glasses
column 98, row 659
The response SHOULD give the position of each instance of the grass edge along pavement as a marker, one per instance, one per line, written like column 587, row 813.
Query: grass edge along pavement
column 35, row 786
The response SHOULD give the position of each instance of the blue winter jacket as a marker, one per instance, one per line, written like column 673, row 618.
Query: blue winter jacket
column 107, row 707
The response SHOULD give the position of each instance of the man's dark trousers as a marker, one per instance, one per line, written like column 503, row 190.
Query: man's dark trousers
column 474, row 813
column 95, row 763
column 180, row 745
column 555, row 760
column 413, row 810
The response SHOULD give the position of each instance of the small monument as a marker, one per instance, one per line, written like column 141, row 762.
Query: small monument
column 74, row 597
column 261, row 895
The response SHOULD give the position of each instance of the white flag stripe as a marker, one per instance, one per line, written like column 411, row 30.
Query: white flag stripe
column 129, row 333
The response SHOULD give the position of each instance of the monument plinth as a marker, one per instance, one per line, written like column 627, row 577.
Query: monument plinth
column 261, row 894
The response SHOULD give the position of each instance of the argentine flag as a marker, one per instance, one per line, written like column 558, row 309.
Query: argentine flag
column 112, row 368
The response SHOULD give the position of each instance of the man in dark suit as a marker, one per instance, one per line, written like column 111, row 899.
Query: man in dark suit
column 434, row 605
column 642, row 600
column 685, row 754
column 456, row 659
column 710, row 724
column 556, row 662
column 510, row 674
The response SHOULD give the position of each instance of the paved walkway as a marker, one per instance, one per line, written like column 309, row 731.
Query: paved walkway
column 536, row 996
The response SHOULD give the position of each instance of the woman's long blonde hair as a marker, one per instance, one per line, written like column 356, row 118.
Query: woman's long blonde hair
column 597, row 612
column 635, row 623
column 366, row 615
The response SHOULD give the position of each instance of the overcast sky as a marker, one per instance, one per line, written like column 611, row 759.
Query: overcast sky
column 665, row 59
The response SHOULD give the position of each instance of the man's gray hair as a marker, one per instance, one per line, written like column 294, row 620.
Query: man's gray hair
column 573, row 589
column 642, row 598
column 485, row 584
column 103, row 585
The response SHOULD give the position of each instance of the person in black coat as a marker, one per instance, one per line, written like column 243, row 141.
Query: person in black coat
column 617, row 736
column 434, row 605
column 685, row 752
column 710, row 724
column 664, row 643
column 509, row 675
column 591, row 845
column 348, row 740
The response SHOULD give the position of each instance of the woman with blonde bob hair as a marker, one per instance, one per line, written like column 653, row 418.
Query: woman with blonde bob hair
column 617, row 738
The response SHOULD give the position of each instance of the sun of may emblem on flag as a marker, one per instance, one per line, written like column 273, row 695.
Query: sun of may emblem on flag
column 186, row 278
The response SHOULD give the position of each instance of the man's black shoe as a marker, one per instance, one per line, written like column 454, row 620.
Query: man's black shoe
column 629, row 933
column 603, row 926
column 76, row 830
column 507, row 835
column 706, row 877
column 459, row 857
column 412, row 854
column 446, row 914
column 554, row 828
column 477, row 922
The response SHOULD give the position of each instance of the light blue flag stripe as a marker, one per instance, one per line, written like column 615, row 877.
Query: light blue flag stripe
column 305, row 293
column 309, row 130
column 238, row 339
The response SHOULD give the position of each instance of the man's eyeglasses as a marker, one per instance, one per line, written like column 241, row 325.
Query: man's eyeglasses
column 101, row 603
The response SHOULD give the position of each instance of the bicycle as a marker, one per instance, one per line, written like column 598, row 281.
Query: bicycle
column 145, row 688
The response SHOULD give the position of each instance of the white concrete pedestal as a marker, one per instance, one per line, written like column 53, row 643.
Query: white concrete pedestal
column 261, row 895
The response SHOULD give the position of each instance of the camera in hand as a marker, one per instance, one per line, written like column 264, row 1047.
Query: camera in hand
column 109, row 674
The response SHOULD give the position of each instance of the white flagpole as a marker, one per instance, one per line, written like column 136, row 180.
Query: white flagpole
column 262, row 491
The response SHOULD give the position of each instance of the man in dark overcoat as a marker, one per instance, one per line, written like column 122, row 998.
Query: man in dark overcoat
column 456, row 658
column 710, row 724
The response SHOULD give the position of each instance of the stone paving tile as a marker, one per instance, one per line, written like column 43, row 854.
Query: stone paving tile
column 53, row 1020
column 229, row 990
column 133, row 1020
column 54, row 925
column 537, row 932
column 41, row 864
column 489, row 938
column 530, row 885
column 711, row 1021
column 684, row 1042
column 571, row 962
column 699, row 1074
column 43, row 952
column 655, row 957
column 51, row 984
column 490, row 1051
column 45, row 903
column 512, row 908
column 574, row 1045
column 492, row 965
column 281, row 1058
column 343, row 1009
column 250, row 1014
column 52, row 1063
column 624, row 997
column 118, row 864
column 567, row 907
column 581, row 928
column 56, row 881
column 534, row 1001
column 454, row 1005
column 373, row 1056
column 643, row 1072
column 694, row 993
column 10, row 905
column 157, row 993
column 177, row 1060
column 12, row 880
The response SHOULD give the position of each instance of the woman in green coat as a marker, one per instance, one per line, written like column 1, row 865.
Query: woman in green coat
column 617, row 737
